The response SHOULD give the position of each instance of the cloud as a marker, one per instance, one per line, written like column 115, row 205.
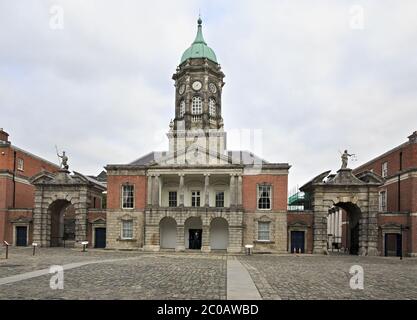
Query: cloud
column 101, row 87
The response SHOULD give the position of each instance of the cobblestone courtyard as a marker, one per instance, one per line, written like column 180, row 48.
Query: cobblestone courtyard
column 101, row 274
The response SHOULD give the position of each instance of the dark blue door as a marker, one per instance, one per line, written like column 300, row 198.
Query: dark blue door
column 297, row 241
column 393, row 244
column 21, row 236
column 100, row 238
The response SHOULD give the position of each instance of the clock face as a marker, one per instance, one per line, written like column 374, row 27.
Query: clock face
column 182, row 89
column 212, row 88
column 197, row 85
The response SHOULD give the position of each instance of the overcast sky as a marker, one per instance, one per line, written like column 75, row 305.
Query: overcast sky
column 315, row 77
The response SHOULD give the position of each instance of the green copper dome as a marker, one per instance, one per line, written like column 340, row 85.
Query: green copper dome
column 199, row 48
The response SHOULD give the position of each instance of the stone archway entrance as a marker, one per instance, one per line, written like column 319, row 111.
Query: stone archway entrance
column 350, row 228
column 62, row 217
column 61, row 204
column 168, row 233
column 219, row 234
column 358, row 196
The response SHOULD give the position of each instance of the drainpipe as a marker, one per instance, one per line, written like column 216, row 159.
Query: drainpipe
column 399, row 182
column 14, row 179
column 399, row 192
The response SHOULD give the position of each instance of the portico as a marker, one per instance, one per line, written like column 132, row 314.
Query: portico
column 192, row 199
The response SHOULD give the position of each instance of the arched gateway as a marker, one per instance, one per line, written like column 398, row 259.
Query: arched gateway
column 357, row 195
column 61, row 204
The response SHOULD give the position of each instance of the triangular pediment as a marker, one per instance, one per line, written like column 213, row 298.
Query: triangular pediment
column 370, row 177
column 345, row 177
column 42, row 178
column 61, row 177
column 192, row 156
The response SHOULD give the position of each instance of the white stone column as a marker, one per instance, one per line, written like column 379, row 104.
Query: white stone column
column 155, row 190
column 206, row 189
column 232, row 191
column 239, row 190
column 181, row 189
column 149, row 190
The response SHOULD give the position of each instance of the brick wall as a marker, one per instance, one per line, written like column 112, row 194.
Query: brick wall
column 279, row 188
column 114, row 188
column 93, row 215
column 306, row 218
column 13, row 215
column 398, row 219
column 409, row 160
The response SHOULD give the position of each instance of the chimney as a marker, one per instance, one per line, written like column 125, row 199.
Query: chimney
column 413, row 137
column 4, row 136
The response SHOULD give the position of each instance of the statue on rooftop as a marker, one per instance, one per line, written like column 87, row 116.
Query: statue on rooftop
column 64, row 160
column 345, row 159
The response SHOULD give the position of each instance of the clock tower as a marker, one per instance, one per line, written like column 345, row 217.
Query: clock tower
column 198, row 105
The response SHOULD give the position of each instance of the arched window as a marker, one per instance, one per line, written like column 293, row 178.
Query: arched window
column 212, row 107
column 197, row 106
column 182, row 108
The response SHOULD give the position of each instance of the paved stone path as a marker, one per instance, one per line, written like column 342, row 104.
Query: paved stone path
column 105, row 274
column 240, row 285
column 309, row 277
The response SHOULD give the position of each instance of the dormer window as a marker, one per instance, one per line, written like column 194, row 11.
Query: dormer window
column 197, row 106
column 212, row 107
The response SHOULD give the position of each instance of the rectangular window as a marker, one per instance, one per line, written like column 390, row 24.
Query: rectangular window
column 383, row 201
column 20, row 164
column 127, row 229
column 172, row 198
column 263, row 231
column 384, row 169
column 127, row 197
column 220, row 199
column 195, row 198
column 264, row 197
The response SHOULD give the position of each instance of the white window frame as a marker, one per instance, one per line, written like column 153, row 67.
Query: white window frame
column 382, row 208
column 215, row 198
column 384, row 169
column 267, row 230
column 122, row 236
column 197, row 196
column 197, row 106
column 20, row 164
column 176, row 198
column 258, row 197
column 123, row 196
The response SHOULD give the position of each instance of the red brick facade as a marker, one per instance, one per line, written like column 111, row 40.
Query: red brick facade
column 114, row 190
column 16, row 193
column 401, row 193
column 302, row 218
column 279, row 185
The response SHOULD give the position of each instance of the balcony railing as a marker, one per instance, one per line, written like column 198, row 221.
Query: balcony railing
column 196, row 118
